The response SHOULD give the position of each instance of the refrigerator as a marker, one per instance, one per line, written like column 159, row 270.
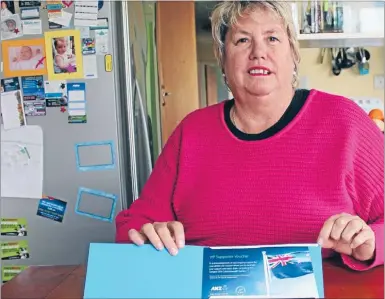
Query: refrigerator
column 119, row 126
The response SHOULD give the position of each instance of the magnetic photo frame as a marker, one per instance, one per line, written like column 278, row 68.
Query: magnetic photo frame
column 98, row 193
column 24, row 57
column 64, row 54
column 81, row 167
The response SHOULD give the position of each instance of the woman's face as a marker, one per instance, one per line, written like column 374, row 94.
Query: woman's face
column 3, row 5
column 258, row 59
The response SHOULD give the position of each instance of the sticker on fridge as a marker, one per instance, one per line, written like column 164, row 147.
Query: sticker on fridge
column 77, row 103
column 56, row 93
column 33, row 95
column 16, row 250
column 11, row 27
column 10, row 271
column 14, row 227
column 52, row 208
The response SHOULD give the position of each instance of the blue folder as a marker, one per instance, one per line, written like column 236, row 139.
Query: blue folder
column 130, row 271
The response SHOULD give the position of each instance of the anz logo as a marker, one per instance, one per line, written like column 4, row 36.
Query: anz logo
column 217, row 288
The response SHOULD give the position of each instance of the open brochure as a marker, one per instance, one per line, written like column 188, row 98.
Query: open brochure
column 276, row 271
column 285, row 271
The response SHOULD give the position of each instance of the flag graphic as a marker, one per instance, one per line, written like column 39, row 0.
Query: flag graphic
column 290, row 265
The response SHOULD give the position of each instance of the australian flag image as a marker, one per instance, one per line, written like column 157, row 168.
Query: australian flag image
column 290, row 265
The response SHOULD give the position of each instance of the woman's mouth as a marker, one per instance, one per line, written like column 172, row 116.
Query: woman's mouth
column 259, row 71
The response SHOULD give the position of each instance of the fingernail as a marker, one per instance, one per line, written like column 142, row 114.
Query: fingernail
column 319, row 241
column 180, row 244
column 159, row 246
column 173, row 251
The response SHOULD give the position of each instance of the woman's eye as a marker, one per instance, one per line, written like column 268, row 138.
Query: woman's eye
column 242, row 40
column 273, row 39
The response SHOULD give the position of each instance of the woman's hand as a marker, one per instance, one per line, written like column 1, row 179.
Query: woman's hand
column 160, row 234
column 348, row 234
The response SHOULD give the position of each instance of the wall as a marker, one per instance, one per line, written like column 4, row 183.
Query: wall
column 319, row 76
column 348, row 83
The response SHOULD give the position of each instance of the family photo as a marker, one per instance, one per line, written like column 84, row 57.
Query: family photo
column 64, row 57
column 7, row 9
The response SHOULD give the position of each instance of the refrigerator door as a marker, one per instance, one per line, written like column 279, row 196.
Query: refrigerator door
column 55, row 243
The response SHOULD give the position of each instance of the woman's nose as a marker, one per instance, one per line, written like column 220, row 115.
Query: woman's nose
column 258, row 50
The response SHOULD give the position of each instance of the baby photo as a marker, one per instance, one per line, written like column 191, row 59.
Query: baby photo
column 10, row 27
column 25, row 58
column 64, row 58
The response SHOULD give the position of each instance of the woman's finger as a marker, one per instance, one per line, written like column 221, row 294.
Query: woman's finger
column 177, row 232
column 354, row 227
column 136, row 237
column 165, row 235
column 149, row 231
column 365, row 235
column 326, row 229
column 339, row 226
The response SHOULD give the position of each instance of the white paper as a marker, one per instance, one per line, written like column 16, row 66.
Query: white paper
column 84, row 31
column 12, row 109
column 86, row 13
column 22, row 162
column 90, row 67
column 31, row 27
column 64, row 19
column 11, row 27
column 101, row 41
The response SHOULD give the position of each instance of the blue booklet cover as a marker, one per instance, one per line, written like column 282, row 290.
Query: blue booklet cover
column 279, row 271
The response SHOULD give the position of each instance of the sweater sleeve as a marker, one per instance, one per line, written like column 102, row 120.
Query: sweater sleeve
column 155, row 201
column 366, row 187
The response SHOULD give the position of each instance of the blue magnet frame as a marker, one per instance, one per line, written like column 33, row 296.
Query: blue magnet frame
column 99, row 166
column 110, row 196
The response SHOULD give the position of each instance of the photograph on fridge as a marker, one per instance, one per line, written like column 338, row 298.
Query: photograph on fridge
column 11, row 27
column 7, row 9
column 64, row 60
column 24, row 58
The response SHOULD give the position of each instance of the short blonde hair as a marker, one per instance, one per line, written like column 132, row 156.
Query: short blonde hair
column 226, row 14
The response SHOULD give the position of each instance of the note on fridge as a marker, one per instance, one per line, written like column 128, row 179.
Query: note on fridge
column 22, row 162
column 12, row 109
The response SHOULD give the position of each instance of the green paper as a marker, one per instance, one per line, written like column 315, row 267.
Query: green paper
column 14, row 227
column 15, row 250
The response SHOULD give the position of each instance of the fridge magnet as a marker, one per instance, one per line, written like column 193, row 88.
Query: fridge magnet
column 56, row 93
column 67, row 3
column 88, row 46
column 54, row 8
column 64, row 55
column 33, row 95
column 8, row 272
column 10, row 84
column 29, row 3
column 96, row 195
column 14, row 227
column 83, row 152
column 24, row 58
column 16, row 250
column 63, row 109
column 27, row 13
column 52, row 208
column 76, row 102
column 11, row 27
column 7, row 9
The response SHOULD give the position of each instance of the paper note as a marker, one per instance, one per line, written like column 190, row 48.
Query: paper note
column 10, row 271
column 77, row 103
column 12, row 109
column 22, row 162
column 32, row 27
column 86, row 13
column 14, row 227
column 14, row 250
column 90, row 67
column 101, row 36
column 63, row 20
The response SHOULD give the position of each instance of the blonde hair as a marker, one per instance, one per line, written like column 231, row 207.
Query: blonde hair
column 227, row 13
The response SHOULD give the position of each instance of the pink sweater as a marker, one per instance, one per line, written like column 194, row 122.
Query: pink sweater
column 228, row 192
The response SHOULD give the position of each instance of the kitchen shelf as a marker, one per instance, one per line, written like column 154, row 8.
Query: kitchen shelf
column 335, row 40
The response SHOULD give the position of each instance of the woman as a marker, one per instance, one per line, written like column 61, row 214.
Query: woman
column 5, row 12
column 273, row 165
